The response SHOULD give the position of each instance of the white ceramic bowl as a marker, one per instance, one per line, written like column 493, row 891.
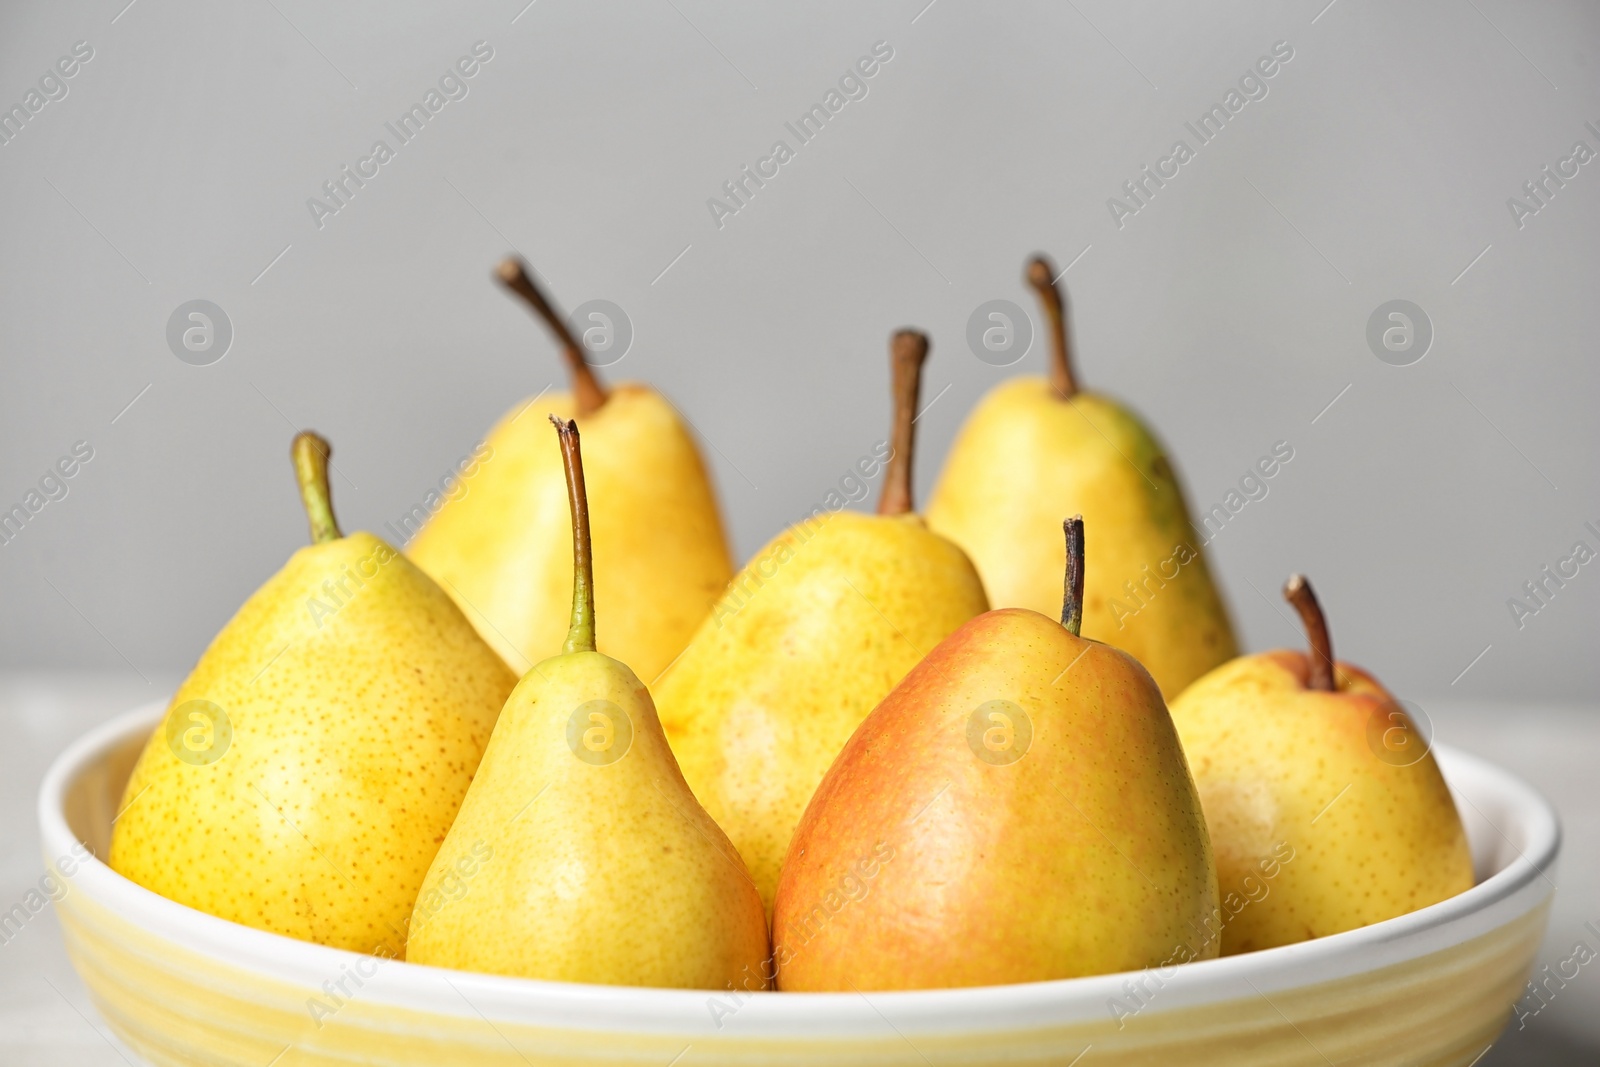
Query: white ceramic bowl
column 180, row 987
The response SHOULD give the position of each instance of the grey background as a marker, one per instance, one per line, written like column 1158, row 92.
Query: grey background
column 1230, row 311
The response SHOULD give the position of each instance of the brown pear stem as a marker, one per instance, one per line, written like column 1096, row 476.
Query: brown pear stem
column 310, row 454
column 1072, row 595
column 580, row 637
column 907, row 350
column 1297, row 591
column 1041, row 275
column 513, row 274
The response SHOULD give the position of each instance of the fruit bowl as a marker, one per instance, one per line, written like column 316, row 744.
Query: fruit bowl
column 181, row 987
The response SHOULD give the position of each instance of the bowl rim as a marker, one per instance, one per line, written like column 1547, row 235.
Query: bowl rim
column 1497, row 900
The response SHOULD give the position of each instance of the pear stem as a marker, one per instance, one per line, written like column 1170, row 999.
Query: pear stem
column 1072, row 595
column 580, row 638
column 1041, row 275
column 907, row 350
column 310, row 454
column 513, row 274
column 1297, row 591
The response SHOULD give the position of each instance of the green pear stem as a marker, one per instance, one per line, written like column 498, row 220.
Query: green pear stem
column 1042, row 275
column 1072, row 594
column 310, row 454
column 580, row 637
column 1297, row 591
column 513, row 274
column 907, row 351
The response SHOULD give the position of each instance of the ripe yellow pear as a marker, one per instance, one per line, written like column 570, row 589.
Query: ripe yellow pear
column 1327, row 811
column 1034, row 448
column 580, row 855
column 308, row 768
column 499, row 545
column 817, row 629
column 1018, row 809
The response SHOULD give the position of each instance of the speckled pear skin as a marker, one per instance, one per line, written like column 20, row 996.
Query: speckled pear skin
column 1276, row 764
column 350, row 753
column 504, row 548
column 920, row 865
column 816, row 630
column 1024, row 458
column 607, row 872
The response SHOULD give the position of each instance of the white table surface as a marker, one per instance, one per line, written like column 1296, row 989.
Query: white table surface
column 46, row 1017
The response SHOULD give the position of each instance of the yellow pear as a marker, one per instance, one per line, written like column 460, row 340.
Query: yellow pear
column 308, row 768
column 819, row 626
column 1034, row 448
column 580, row 855
column 498, row 542
column 1018, row 809
column 1327, row 811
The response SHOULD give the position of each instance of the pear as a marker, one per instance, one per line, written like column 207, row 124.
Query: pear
column 308, row 768
column 580, row 855
column 1018, row 809
column 1036, row 447
column 815, row 630
column 499, row 545
column 1327, row 811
